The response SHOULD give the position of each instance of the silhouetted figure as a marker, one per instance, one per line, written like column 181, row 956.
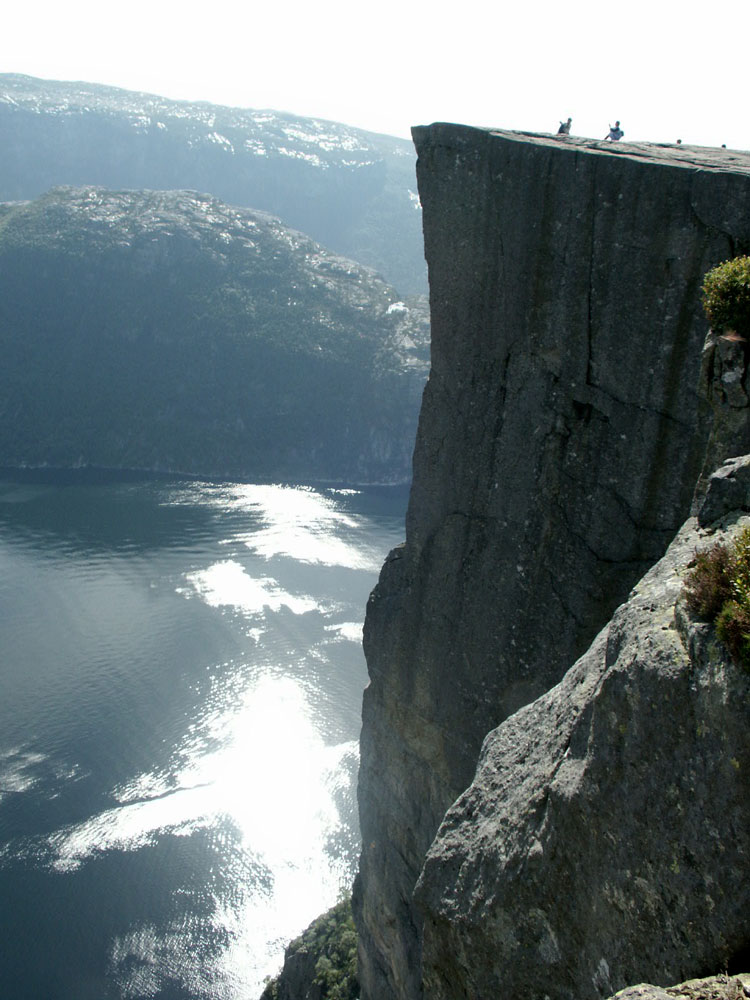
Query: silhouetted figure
column 564, row 127
column 616, row 133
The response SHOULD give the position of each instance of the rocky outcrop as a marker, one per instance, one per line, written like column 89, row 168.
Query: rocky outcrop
column 560, row 439
column 727, row 489
column 712, row 988
column 724, row 384
column 171, row 332
column 352, row 191
column 605, row 838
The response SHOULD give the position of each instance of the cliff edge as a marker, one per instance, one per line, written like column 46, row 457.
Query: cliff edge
column 560, row 438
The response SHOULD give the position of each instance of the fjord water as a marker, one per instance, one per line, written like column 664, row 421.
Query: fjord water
column 180, row 687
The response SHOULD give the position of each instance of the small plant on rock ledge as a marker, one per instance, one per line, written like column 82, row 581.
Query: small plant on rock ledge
column 717, row 589
column 726, row 297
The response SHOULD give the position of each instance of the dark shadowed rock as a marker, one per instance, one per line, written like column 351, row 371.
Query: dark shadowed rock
column 724, row 384
column 560, row 439
column 298, row 979
column 604, row 840
column 727, row 489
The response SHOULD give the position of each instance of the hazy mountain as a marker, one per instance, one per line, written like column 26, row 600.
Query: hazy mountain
column 350, row 190
column 167, row 330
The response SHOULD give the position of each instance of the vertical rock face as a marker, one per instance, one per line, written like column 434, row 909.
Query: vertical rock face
column 605, row 838
column 724, row 384
column 559, row 442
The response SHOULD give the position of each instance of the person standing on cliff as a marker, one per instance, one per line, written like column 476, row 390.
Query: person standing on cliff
column 564, row 127
column 616, row 133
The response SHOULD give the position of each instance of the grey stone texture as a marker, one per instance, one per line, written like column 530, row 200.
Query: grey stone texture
column 605, row 838
column 721, row 987
column 728, row 488
column 724, row 384
column 560, row 438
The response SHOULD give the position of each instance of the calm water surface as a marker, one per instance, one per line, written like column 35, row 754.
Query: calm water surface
column 180, row 688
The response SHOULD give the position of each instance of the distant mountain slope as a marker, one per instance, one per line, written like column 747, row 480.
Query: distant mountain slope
column 166, row 330
column 350, row 190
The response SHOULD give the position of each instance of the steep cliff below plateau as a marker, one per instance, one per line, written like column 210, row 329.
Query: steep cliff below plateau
column 560, row 438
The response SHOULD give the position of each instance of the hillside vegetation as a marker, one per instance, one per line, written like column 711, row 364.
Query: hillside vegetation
column 352, row 191
column 169, row 331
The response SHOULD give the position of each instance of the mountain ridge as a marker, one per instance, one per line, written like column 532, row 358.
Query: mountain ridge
column 351, row 190
column 171, row 332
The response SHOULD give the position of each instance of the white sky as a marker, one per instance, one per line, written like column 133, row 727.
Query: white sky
column 667, row 69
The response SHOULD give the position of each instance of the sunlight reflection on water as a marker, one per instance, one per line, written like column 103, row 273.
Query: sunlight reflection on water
column 227, row 584
column 202, row 710
column 273, row 780
column 298, row 522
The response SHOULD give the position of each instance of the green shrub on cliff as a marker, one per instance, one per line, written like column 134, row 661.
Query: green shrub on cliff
column 726, row 296
column 718, row 590
column 331, row 941
column 708, row 586
column 336, row 938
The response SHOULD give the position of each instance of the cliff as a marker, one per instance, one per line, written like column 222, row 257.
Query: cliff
column 604, row 839
column 352, row 191
column 172, row 332
column 559, row 442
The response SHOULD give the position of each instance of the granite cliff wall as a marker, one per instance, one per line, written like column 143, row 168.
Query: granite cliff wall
column 604, row 839
column 560, row 439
